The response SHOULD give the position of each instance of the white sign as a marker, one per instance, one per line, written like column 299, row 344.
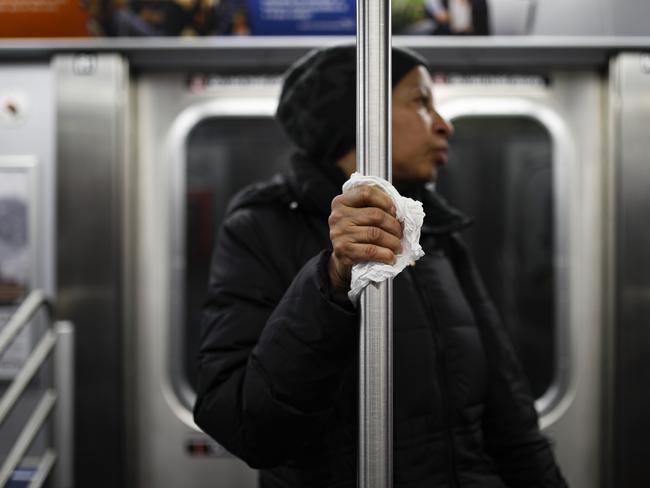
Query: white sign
column 16, row 252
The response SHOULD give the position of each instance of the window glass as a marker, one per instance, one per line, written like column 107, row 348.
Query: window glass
column 500, row 173
column 224, row 154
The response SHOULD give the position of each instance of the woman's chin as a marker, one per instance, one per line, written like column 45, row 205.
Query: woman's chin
column 423, row 174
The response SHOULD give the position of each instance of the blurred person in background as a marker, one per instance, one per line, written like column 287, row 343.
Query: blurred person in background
column 138, row 18
column 458, row 17
column 440, row 17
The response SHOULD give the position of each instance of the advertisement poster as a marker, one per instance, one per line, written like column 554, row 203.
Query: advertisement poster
column 138, row 18
column 296, row 17
column 226, row 17
column 44, row 18
column 440, row 17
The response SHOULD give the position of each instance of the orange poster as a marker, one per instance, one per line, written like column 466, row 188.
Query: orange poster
column 44, row 18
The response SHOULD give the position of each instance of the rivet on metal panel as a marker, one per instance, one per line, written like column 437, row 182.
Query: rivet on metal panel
column 84, row 64
column 645, row 63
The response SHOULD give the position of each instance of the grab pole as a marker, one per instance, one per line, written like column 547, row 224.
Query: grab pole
column 374, row 159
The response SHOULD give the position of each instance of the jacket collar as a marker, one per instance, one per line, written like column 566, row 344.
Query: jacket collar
column 315, row 186
column 440, row 217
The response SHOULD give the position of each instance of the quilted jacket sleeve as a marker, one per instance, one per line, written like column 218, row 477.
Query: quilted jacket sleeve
column 512, row 436
column 272, row 358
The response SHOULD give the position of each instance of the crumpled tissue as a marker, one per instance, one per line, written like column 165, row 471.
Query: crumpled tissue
column 410, row 214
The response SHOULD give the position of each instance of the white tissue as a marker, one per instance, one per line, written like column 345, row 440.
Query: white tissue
column 410, row 213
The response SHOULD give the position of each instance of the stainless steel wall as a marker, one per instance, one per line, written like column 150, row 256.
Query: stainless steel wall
column 92, row 106
column 591, row 17
column 27, row 171
column 30, row 131
column 629, row 338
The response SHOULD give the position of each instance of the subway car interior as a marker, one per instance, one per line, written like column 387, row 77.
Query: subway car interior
column 122, row 142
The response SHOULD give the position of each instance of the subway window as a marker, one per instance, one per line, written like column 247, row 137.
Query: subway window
column 500, row 172
column 222, row 157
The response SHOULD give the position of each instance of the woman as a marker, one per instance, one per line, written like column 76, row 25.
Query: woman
column 278, row 363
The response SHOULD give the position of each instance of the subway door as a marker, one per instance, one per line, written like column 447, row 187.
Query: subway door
column 201, row 139
column 525, row 162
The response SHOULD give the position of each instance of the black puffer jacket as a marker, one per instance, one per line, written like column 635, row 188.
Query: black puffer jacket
column 278, row 362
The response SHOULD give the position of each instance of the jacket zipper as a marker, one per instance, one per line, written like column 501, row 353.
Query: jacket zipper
column 442, row 377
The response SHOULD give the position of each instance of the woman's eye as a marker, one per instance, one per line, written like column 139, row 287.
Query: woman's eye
column 423, row 100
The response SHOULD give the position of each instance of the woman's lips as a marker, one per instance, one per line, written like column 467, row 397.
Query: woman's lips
column 441, row 155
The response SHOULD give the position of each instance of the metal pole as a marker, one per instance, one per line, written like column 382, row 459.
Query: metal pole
column 64, row 413
column 374, row 158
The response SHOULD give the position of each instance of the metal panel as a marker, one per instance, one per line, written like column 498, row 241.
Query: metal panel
column 165, row 428
column 275, row 54
column 92, row 93
column 630, row 336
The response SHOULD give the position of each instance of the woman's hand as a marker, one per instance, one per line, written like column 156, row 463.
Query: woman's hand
column 363, row 228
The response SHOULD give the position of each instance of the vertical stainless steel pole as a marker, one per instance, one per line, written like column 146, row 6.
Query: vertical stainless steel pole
column 374, row 158
column 64, row 414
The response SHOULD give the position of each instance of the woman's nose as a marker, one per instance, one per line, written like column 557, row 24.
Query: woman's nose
column 442, row 126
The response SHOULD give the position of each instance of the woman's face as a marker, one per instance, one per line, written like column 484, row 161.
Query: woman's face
column 420, row 134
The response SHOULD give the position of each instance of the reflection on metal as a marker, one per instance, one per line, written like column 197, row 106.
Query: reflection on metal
column 93, row 135
column 554, row 402
column 374, row 158
column 64, row 412
column 60, row 395
column 645, row 63
column 84, row 64
column 630, row 267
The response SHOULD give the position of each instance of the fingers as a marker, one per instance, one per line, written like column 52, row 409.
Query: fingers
column 363, row 228
column 347, row 219
column 375, row 236
column 350, row 253
column 374, row 217
column 368, row 196
column 346, row 254
column 365, row 206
